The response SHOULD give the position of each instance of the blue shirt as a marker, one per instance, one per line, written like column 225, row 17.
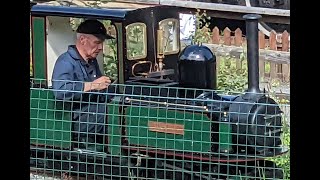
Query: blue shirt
column 70, row 72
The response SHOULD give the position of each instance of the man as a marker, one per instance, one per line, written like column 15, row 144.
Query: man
column 76, row 76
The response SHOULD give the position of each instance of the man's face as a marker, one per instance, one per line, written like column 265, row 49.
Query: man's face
column 92, row 45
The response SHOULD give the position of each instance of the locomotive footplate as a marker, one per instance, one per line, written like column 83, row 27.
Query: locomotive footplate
column 80, row 163
column 169, row 165
column 151, row 79
column 212, row 157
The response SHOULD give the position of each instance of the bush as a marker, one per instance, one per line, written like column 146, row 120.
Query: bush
column 229, row 78
column 283, row 161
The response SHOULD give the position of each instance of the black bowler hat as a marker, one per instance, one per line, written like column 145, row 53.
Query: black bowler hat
column 95, row 28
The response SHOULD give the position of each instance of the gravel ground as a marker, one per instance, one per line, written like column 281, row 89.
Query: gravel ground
column 39, row 177
column 49, row 176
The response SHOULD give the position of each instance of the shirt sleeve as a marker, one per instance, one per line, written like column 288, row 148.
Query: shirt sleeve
column 63, row 81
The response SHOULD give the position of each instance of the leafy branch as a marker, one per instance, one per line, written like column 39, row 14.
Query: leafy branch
column 202, row 33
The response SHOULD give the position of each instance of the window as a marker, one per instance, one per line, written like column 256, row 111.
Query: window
column 136, row 37
column 171, row 40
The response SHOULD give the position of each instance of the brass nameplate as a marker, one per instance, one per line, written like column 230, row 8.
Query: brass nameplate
column 169, row 128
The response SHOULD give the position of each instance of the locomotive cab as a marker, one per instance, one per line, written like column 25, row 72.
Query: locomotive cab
column 51, row 35
column 131, row 58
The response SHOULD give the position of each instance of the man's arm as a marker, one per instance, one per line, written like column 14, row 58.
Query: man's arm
column 63, row 81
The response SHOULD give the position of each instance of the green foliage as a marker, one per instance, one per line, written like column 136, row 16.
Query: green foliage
column 202, row 33
column 74, row 22
column 283, row 161
column 231, row 79
column 96, row 3
column 110, row 60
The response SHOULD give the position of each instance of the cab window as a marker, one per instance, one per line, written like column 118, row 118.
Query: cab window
column 171, row 38
column 136, row 38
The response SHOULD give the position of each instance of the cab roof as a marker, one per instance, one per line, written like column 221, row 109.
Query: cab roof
column 114, row 11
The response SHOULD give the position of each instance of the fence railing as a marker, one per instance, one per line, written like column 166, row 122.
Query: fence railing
column 274, row 50
column 156, row 132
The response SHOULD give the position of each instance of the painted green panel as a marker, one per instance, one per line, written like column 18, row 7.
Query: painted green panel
column 114, row 128
column 50, row 120
column 196, row 137
column 39, row 45
column 225, row 137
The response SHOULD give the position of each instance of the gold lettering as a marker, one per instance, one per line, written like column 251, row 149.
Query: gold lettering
column 169, row 128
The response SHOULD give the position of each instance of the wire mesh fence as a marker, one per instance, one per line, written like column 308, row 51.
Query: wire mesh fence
column 156, row 132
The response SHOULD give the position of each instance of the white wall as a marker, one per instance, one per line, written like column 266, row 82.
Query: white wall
column 59, row 36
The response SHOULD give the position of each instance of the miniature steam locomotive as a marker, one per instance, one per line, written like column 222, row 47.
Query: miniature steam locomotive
column 165, row 118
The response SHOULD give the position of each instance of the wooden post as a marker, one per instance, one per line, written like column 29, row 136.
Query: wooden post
column 285, row 41
column 238, row 37
column 227, row 36
column 262, row 45
column 279, row 48
column 215, row 35
column 285, row 47
column 262, row 42
column 238, row 42
column 273, row 46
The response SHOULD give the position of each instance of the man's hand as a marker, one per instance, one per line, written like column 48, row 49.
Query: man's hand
column 99, row 84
